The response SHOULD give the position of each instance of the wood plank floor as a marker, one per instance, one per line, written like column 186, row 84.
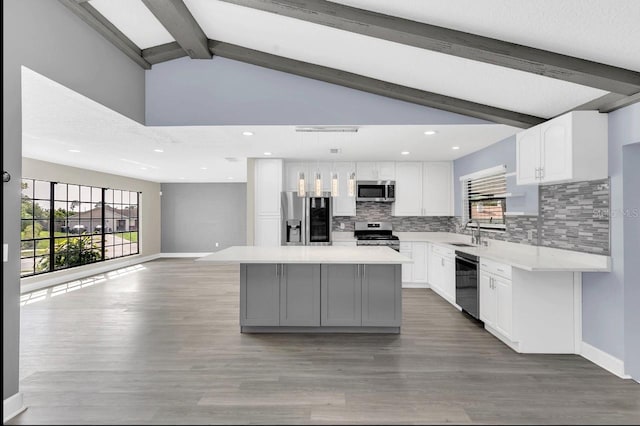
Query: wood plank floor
column 161, row 344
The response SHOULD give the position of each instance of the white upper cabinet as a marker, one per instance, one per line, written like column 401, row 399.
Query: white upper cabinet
column 423, row 189
column 437, row 189
column 381, row 170
column 343, row 204
column 570, row 147
column 408, row 189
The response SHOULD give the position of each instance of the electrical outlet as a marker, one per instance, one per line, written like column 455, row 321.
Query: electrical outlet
column 217, row 244
column 530, row 234
column 341, row 225
column 5, row 252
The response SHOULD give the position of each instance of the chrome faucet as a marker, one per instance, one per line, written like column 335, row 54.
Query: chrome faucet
column 476, row 236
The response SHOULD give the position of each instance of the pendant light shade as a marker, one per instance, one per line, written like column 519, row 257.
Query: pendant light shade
column 335, row 187
column 301, row 185
column 351, row 184
column 318, row 184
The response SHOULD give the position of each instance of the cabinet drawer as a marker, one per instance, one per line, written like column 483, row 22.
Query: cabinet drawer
column 496, row 268
column 442, row 251
column 344, row 243
column 406, row 247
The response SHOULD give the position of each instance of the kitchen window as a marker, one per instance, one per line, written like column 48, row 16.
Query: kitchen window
column 67, row 225
column 484, row 198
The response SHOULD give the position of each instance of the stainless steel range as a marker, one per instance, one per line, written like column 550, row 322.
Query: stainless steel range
column 376, row 234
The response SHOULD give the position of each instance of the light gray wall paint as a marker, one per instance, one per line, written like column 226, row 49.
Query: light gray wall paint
column 503, row 152
column 603, row 293
column 47, row 38
column 197, row 215
column 631, row 204
column 227, row 92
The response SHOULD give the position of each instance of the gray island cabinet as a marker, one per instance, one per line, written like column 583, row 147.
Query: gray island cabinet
column 318, row 289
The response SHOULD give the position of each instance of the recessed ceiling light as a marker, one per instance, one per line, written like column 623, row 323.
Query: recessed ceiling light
column 181, row 178
column 143, row 168
column 430, row 132
column 203, row 168
column 158, row 150
column 405, row 153
column 267, row 153
column 455, row 147
column 247, row 133
column 230, row 177
column 74, row 150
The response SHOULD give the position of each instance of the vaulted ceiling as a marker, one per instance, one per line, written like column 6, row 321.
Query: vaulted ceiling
column 511, row 62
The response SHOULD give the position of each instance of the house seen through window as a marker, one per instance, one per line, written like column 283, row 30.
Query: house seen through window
column 66, row 225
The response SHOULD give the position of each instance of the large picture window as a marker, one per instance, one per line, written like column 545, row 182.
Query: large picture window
column 66, row 225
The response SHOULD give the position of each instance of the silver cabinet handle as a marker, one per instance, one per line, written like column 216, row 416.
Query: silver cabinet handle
column 364, row 271
column 358, row 271
column 500, row 270
column 442, row 261
column 277, row 269
column 541, row 172
column 537, row 174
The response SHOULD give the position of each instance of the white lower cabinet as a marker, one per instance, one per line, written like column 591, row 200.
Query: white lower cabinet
column 496, row 303
column 441, row 272
column 414, row 274
column 530, row 311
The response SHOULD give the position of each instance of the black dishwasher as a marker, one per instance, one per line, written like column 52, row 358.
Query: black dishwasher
column 467, row 283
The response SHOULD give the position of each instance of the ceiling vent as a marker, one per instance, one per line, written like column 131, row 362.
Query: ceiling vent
column 335, row 129
column 231, row 159
column 335, row 151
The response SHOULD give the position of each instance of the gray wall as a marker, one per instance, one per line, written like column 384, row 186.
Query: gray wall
column 631, row 204
column 197, row 215
column 603, row 293
column 227, row 92
column 503, row 152
column 45, row 37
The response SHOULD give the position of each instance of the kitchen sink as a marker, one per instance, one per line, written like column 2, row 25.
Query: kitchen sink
column 461, row 244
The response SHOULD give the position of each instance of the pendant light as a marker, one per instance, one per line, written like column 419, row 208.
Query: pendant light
column 352, row 185
column 335, row 187
column 301, row 185
column 318, row 184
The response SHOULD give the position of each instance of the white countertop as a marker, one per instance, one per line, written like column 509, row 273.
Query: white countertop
column 307, row 254
column 523, row 256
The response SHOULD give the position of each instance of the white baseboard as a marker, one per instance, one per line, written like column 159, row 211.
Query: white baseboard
column 12, row 406
column 184, row 254
column 604, row 360
column 414, row 285
column 97, row 268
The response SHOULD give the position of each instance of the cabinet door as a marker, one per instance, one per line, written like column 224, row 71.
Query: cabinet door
column 366, row 170
column 419, row 256
column 556, row 155
column 408, row 189
column 449, row 279
column 267, row 231
column 268, row 186
column 340, row 295
column 300, row 295
column 504, row 303
column 407, row 268
column 434, row 271
column 343, row 204
column 386, row 170
column 292, row 172
column 437, row 183
column 259, row 294
column 487, row 299
column 528, row 156
column 381, row 296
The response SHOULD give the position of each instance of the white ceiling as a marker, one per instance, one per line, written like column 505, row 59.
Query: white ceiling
column 600, row 30
column 57, row 120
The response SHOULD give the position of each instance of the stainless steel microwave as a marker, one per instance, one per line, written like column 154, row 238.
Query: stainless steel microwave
column 376, row 190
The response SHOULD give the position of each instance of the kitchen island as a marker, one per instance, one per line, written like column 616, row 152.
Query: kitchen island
column 317, row 289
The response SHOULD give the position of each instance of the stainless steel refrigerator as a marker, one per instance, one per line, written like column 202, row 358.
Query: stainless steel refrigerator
column 306, row 220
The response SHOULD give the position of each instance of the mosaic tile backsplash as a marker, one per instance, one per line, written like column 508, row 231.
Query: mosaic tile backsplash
column 370, row 211
column 572, row 216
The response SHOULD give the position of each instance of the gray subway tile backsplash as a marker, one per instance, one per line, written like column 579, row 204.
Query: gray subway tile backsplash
column 572, row 216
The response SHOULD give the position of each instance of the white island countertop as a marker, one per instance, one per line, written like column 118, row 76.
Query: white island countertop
column 308, row 254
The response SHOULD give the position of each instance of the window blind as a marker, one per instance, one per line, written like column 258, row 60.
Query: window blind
column 484, row 199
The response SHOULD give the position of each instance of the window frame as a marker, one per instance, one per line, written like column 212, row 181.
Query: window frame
column 467, row 202
column 60, row 229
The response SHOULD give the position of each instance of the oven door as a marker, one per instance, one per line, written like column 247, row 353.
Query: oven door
column 467, row 286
